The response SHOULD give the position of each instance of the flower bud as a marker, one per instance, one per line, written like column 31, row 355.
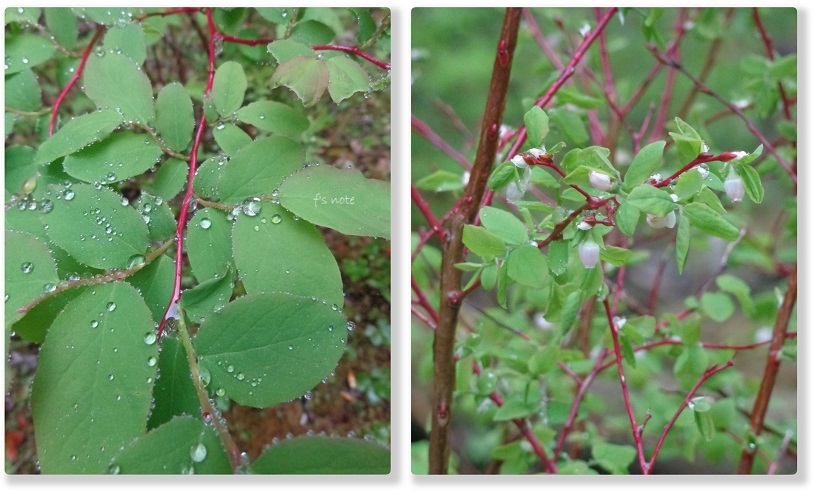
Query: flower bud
column 658, row 222
column 514, row 193
column 519, row 161
column 734, row 187
column 600, row 181
column 583, row 226
column 537, row 152
column 589, row 253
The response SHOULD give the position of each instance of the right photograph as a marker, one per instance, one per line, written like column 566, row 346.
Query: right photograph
column 604, row 241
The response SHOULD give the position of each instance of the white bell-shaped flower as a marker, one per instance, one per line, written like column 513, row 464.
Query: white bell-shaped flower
column 600, row 181
column 734, row 187
column 589, row 253
column 659, row 222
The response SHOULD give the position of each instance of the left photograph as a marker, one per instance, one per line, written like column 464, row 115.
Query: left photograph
column 197, row 240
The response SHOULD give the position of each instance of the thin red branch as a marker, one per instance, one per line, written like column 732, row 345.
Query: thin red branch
column 542, row 42
column 172, row 305
column 768, row 45
column 670, row 79
column 425, row 131
column 354, row 51
column 427, row 213
column 77, row 74
column 712, row 370
column 705, row 157
column 423, row 301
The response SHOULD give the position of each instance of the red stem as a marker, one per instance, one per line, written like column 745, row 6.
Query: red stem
column 427, row 213
column 425, row 131
column 354, row 51
column 714, row 369
column 705, row 157
column 423, row 301
column 65, row 90
column 768, row 44
column 185, row 204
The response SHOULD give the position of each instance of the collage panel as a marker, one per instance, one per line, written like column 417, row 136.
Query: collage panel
column 197, row 240
column 604, row 241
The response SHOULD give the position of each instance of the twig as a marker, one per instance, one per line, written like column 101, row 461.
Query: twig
column 425, row 131
column 77, row 74
column 765, row 390
column 419, row 202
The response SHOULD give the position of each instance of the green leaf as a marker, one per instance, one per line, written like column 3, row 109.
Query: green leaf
column 20, row 167
column 440, row 181
column 23, row 91
column 366, row 24
column 158, row 216
column 274, row 117
column 652, row 200
column 528, row 266
column 613, row 458
column 312, row 32
column 541, row 177
column 29, row 268
column 645, row 163
column 703, row 217
column 682, row 242
column 343, row 200
column 717, row 306
column 75, row 226
column 25, row 51
column 127, row 40
column 209, row 244
column 285, row 49
column 570, row 125
column 175, row 121
column 784, row 67
column 34, row 325
column 712, row 200
column 346, row 77
column 208, row 177
column 78, row 133
column 481, row 242
column 752, row 182
column 228, row 88
column 207, row 297
column 513, row 409
column 615, row 256
column 313, row 272
column 537, row 126
column 738, row 288
column 501, row 176
column 61, row 22
column 174, row 393
column 93, row 385
column 264, row 349
column 558, row 257
column 259, row 168
column 230, row 138
column 306, row 75
column 118, row 157
column 504, row 224
column 569, row 313
column 155, row 283
column 184, row 445
column 115, row 82
column 323, row 455
column 701, row 407
column 688, row 184
column 29, row 15
column 106, row 15
column 544, row 360
column 501, row 288
column 575, row 96
column 170, row 178
column 627, row 217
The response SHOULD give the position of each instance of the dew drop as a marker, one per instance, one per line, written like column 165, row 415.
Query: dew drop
column 291, row 347
column 94, row 324
column 240, row 376
column 351, row 326
column 220, row 392
column 335, row 307
column 251, row 207
column 230, row 369
column 135, row 261
column 205, row 223
column 198, row 453
column 151, row 361
column 150, row 338
column 46, row 206
column 276, row 219
column 69, row 195
column 49, row 287
column 27, row 267
column 111, row 377
column 111, row 306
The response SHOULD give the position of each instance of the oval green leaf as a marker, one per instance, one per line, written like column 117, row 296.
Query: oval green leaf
column 652, row 200
column 703, row 217
column 269, row 348
column 312, row 271
column 346, row 77
column 339, row 199
column 170, row 178
column 230, row 138
column 155, row 283
column 174, row 116
column 93, row 384
column 30, row 267
column 24, row 51
column 323, row 455
column 184, row 445
column 274, row 117
column 78, row 133
column 174, row 393
column 305, row 75
column 114, row 81
column 118, row 157
column 209, row 244
column 504, row 224
column 259, row 168
column 77, row 227
column 23, row 91
column 228, row 88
